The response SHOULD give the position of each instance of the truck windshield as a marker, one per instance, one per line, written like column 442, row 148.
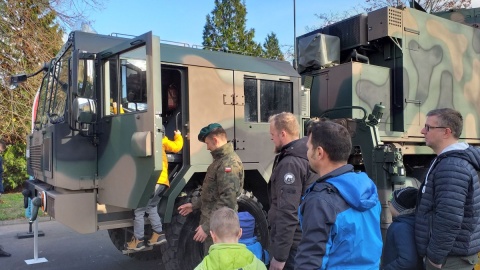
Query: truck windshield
column 53, row 92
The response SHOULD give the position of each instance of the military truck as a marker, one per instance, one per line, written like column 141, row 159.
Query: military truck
column 104, row 105
column 406, row 59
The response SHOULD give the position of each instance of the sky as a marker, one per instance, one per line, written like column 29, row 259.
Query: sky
column 183, row 20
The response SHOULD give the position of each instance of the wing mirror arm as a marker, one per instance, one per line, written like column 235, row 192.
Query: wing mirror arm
column 17, row 79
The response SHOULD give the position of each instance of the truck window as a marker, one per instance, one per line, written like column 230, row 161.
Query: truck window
column 251, row 103
column 58, row 97
column 275, row 97
column 125, row 83
column 41, row 115
column 86, row 69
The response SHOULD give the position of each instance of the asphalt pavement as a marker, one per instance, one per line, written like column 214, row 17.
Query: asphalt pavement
column 64, row 249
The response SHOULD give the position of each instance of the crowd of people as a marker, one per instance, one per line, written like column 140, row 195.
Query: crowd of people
column 325, row 215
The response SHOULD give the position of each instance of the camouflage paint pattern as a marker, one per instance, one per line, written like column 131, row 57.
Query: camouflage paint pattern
column 222, row 185
column 433, row 63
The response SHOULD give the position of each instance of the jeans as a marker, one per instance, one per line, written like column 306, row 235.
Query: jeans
column 152, row 210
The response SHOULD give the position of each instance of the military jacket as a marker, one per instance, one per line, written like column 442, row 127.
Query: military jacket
column 222, row 185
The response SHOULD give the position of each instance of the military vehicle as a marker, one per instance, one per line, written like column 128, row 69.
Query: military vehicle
column 104, row 105
column 106, row 102
column 407, row 60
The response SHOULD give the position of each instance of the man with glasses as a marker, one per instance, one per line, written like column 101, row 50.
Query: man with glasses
column 447, row 222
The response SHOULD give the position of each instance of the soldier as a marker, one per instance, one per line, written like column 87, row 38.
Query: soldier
column 447, row 231
column 223, row 181
column 289, row 180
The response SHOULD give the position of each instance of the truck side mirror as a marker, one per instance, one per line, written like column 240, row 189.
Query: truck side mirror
column 84, row 110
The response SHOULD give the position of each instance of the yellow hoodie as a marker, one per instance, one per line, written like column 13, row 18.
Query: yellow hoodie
column 171, row 146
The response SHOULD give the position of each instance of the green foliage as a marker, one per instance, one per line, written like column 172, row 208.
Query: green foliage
column 14, row 166
column 272, row 48
column 30, row 37
column 225, row 30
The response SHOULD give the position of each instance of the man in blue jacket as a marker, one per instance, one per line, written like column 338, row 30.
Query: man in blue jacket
column 340, row 212
column 447, row 227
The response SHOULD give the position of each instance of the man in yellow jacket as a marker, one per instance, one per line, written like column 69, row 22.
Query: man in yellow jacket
column 158, row 236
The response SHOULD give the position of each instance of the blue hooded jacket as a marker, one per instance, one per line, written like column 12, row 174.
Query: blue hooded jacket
column 340, row 220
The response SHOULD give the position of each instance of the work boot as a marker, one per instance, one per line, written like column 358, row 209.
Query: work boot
column 135, row 244
column 3, row 253
column 157, row 239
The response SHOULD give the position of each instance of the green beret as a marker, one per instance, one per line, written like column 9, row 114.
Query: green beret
column 206, row 130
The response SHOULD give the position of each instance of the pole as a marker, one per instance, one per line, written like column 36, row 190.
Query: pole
column 35, row 259
column 295, row 64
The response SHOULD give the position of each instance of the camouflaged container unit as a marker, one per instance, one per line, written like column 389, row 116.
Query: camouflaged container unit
column 413, row 62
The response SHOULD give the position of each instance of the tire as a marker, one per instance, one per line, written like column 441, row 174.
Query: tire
column 182, row 252
column 247, row 202
column 120, row 236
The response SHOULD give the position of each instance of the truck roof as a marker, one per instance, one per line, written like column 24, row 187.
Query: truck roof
column 175, row 54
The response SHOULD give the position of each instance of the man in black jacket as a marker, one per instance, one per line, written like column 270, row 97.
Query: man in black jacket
column 289, row 180
column 447, row 228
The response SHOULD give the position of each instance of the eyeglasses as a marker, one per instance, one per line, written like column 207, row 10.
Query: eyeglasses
column 428, row 127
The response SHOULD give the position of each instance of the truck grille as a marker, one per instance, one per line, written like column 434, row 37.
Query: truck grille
column 36, row 157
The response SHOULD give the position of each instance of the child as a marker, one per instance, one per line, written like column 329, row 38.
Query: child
column 400, row 251
column 158, row 237
column 226, row 252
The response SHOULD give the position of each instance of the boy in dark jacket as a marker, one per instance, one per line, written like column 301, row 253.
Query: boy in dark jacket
column 400, row 252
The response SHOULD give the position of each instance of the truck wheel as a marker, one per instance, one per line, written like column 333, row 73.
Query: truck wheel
column 120, row 236
column 182, row 252
column 247, row 202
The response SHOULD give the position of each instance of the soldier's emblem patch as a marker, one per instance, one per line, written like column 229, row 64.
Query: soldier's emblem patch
column 289, row 178
column 228, row 169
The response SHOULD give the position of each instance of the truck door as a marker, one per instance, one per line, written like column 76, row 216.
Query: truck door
column 129, row 145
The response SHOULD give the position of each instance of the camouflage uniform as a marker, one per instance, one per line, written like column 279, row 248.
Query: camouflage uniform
column 222, row 185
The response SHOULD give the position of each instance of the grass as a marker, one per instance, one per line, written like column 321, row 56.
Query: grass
column 11, row 206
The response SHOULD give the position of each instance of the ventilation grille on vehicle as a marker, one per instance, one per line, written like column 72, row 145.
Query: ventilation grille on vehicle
column 395, row 17
column 36, row 157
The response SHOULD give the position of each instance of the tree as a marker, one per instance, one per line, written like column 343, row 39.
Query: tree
column 31, row 34
column 428, row 5
column 29, row 37
column 369, row 5
column 225, row 29
column 272, row 48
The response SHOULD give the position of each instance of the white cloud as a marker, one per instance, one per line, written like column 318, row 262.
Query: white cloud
column 475, row 3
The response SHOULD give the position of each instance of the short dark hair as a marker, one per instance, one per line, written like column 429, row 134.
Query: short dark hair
column 333, row 138
column 218, row 132
column 450, row 118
